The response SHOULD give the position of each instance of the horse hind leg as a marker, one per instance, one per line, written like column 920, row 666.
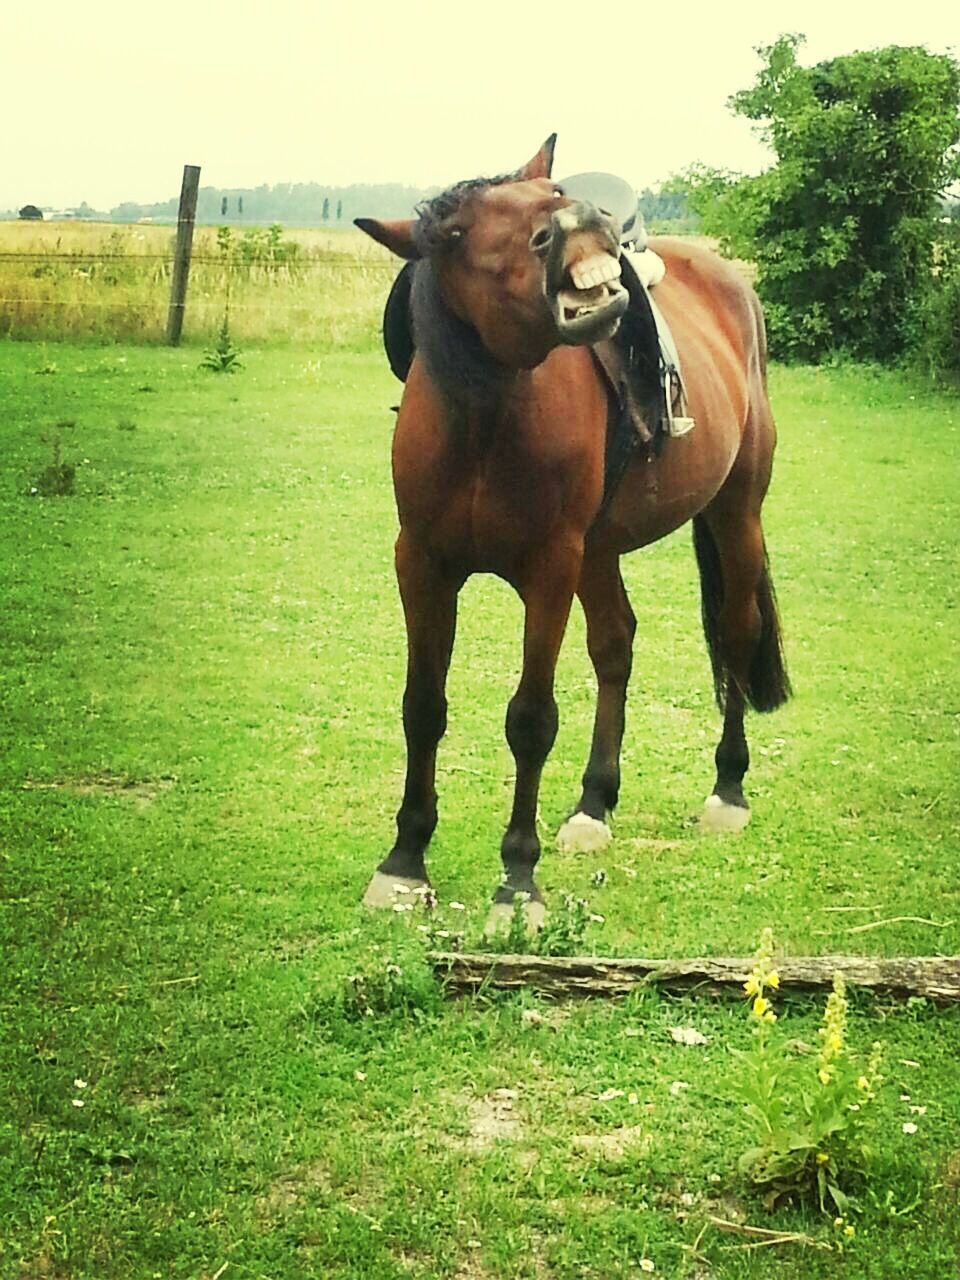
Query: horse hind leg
column 742, row 630
column 611, row 626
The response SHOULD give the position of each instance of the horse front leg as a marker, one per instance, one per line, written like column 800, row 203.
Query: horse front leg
column 429, row 599
column 531, row 727
column 611, row 626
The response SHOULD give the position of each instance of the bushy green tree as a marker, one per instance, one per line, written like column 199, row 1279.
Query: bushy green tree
column 844, row 227
column 713, row 196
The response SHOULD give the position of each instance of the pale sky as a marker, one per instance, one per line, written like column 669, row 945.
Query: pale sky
column 106, row 100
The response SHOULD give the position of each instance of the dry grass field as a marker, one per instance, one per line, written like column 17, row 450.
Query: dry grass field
column 107, row 282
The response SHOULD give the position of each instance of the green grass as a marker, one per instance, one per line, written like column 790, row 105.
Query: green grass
column 202, row 758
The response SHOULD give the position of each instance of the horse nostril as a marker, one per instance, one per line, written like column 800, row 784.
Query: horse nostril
column 540, row 240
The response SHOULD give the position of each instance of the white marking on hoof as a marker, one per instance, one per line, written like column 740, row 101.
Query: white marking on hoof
column 720, row 817
column 501, row 913
column 583, row 834
column 393, row 891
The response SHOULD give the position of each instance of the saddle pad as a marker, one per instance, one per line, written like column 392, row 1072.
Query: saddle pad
column 649, row 266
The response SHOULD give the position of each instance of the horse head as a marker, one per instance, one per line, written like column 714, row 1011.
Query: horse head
column 525, row 266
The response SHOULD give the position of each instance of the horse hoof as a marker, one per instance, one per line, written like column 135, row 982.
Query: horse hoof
column 501, row 913
column 583, row 834
column 720, row 817
column 390, row 891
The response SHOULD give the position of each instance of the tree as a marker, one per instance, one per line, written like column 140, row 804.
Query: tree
column 843, row 228
column 709, row 194
column 30, row 211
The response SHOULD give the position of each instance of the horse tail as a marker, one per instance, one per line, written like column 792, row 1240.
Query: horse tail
column 768, row 685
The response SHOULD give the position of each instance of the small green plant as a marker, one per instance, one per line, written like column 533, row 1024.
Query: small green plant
column 565, row 929
column 809, row 1119
column 222, row 357
column 390, row 988
column 563, row 933
column 56, row 480
column 517, row 938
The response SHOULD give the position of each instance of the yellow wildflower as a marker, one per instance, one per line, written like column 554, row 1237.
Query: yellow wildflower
column 850, row 1230
column 761, row 977
column 832, row 1031
column 822, row 1158
column 863, row 1083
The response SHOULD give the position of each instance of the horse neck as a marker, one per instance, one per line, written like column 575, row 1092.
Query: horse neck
column 476, row 387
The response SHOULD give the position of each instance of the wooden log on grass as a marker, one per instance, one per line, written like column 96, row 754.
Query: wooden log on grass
column 935, row 977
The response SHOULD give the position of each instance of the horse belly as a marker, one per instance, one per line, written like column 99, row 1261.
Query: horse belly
column 658, row 495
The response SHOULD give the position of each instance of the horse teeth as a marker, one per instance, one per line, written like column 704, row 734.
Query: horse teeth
column 588, row 273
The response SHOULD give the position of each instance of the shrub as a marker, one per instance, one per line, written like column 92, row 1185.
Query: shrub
column 938, row 346
column 843, row 229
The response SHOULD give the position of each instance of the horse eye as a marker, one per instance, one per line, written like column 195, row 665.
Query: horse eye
column 540, row 240
column 558, row 193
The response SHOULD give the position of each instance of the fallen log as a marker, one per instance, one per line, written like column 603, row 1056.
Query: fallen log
column 935, row 977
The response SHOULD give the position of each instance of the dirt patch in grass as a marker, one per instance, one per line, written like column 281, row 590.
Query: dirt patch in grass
column 471, row 1269
column 615, row 1145
column 286, row 1192
column 146, row 1102
column 492, row 1118
column 654, row 844
column 142, row 791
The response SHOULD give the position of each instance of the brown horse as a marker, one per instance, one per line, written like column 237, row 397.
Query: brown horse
column 498, row 464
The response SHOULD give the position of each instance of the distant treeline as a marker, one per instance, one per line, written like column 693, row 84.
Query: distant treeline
column 310, row 203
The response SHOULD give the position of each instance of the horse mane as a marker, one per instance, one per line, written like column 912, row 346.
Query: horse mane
column 456, row 359
column 432, row 214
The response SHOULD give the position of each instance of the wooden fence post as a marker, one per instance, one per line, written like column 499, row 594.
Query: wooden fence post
column 181, row 257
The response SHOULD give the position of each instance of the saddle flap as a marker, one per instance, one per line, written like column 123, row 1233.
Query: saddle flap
column 397, row 326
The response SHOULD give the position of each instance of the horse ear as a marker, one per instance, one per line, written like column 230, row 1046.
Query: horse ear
column 395, row 236
column 542, row 163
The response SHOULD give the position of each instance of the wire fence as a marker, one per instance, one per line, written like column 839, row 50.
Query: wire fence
column 345, row 262
column 63, row 284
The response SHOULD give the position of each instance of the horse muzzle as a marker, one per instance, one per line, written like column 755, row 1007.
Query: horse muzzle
column 583, row 274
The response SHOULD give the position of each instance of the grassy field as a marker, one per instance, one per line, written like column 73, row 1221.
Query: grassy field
column 202, row 756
